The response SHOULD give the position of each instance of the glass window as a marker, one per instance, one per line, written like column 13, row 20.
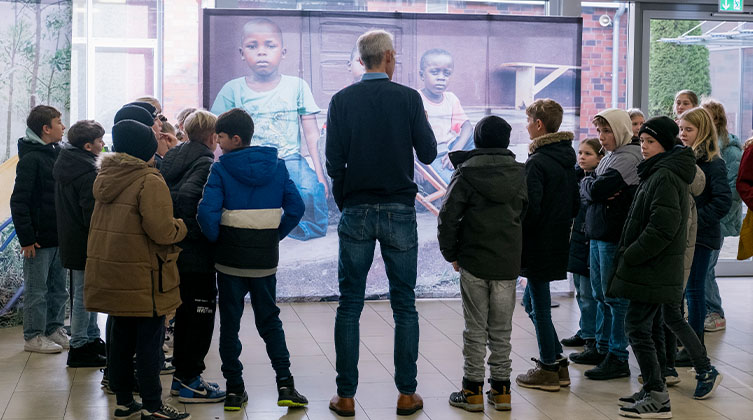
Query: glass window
column 114, row 56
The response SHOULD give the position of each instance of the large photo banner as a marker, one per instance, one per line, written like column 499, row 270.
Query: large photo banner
column 284, row 66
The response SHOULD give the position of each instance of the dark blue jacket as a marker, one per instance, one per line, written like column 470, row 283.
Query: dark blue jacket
column 713, row 203
column 32, row 203
column 74, row 173
column 552, row 205
column 578, row 262
column 373, row 126
column 249, row 204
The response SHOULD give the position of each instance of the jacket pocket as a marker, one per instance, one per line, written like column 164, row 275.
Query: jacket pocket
column 167, row 273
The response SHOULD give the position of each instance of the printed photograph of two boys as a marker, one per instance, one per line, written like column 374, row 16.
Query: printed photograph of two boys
column 283, row 68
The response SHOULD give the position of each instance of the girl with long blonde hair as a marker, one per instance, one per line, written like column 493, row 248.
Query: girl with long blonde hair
column 698, row 132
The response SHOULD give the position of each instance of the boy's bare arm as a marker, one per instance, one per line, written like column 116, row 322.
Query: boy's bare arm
column 311, row 133
column 466, row 132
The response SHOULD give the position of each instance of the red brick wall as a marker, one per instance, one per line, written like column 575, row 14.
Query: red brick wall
column 596, row 66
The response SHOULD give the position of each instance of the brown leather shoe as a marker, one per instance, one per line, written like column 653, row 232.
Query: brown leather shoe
column 343, row 407
column 409, row 404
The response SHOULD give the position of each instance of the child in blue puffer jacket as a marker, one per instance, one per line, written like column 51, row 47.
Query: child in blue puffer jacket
column 249, row 205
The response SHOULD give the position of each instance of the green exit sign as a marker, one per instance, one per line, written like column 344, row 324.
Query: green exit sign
column 730, row 5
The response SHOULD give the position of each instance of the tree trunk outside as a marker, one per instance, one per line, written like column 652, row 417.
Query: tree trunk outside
column 37, row 52
column 14, row 50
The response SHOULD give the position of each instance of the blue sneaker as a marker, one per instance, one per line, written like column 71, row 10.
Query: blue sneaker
column 199, row 391
column 177, row 384
column 707, row 383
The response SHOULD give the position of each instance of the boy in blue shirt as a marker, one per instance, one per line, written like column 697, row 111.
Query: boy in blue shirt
column 249, row 205
column 280, row 105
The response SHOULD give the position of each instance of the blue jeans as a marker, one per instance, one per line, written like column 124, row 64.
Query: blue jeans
column 610, row 312
column 44, row 293
column 84, row 328
column 394, row 226
column 587, row 305
column 695, row 291
column 232, row 291
column 538, row 305
column 316, row 217
column 713, row 298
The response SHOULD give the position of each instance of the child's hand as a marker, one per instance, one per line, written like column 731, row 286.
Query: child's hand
column 455, row 266
column 170, row 139
column 326, row 187
column 446, row 162
column 30, row 251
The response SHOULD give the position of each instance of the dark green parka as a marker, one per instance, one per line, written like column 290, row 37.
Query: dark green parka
column 652, row 245
column 481, row 221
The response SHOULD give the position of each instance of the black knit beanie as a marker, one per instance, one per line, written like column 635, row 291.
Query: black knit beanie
column 492, row 132
column 663, row 129
column 134, row 112
column 135, row 139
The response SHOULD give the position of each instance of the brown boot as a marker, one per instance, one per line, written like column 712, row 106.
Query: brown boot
column 470, row 398
column 409, row 404
column 499, row 396
column 343, row 407
column 544, row 377
column 564, row 372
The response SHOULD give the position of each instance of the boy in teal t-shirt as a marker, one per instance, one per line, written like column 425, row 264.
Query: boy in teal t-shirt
column 280, row 105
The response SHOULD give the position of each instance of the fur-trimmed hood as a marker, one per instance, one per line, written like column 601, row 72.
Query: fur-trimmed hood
column 550, row 138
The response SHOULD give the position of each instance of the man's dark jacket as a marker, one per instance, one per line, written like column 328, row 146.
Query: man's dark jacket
column 32, row 203
column 481, row 220
column 74, row 173
column 651, row 252
column 373, row 126
column 552, row 204
column 186, row 169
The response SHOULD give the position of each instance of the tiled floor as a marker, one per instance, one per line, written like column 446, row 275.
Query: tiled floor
column 35, row 386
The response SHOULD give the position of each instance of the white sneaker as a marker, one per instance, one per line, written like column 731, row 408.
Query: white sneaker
column 42, row 344
column 60, row 338
column 714, row 322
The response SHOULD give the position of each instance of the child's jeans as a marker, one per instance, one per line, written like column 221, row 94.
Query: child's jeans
column 487, row 308
column 713, row 298
column 263, row 290
column 644, row 327
column 84, row 328
column 316, row 217
column 695, row 291
column 537, row 302
column 610, row 313
column 142, row 337
column 587, row 304
column 674, row 320
column 44, row 293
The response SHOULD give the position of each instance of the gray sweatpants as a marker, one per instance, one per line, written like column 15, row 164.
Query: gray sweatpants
column 487, row 308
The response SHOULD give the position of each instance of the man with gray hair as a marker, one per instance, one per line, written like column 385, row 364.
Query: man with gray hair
column 373, row 127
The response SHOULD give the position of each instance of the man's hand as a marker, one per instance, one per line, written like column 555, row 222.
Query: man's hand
column 30, row 251
column 455, row 266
